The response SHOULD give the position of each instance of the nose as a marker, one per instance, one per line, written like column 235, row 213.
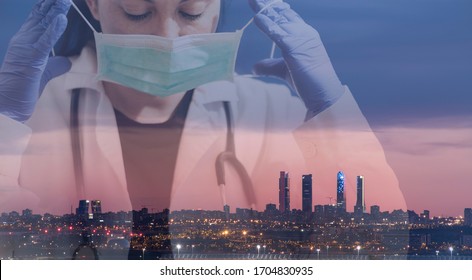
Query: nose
column 167, row 27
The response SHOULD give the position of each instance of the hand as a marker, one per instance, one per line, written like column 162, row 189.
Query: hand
column 305, row 64
column 27, row 57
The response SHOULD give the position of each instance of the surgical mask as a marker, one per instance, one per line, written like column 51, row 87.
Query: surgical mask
column 163, row 66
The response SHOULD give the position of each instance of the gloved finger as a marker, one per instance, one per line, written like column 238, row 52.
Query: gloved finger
column 270, row 28
column 37, row 14
column 271, row 67
column 40, row 11
column 286, row 18
column 258, row 5
column 59, row 7
column 49, row 38
column 56, row 66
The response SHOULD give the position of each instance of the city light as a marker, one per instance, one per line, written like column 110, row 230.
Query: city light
column 178, row 249
column 388, row 235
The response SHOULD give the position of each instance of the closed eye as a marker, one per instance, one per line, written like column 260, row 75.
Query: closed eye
column 137, row 17
column 190, row 17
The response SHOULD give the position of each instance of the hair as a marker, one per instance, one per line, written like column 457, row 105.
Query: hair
column 78, row 34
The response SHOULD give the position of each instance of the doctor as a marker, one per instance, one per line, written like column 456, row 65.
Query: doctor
column 151, row 108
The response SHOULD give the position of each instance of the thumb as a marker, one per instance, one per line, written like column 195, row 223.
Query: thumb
column 271, row 67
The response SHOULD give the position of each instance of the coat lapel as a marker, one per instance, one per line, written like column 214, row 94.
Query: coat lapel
column 205, row 124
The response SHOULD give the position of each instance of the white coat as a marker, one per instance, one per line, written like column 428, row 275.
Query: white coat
column 36, row 167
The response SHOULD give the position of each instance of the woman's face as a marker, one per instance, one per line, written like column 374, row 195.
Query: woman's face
column 166, row 18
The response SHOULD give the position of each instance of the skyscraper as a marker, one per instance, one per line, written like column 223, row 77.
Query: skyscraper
column 83, row 208
column 226, row 209
column 307, row 193
column 468, row 217
column 359, row 208
column 284, row 192
column 96, row 207
column 340, row 196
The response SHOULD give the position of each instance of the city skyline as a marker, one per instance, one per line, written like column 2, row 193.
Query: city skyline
column 379, row 236
column 285, row 199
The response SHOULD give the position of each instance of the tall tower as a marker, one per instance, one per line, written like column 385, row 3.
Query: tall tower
column 359, row 208
column 226, row 209
column 284, row 192
column 340, row 196
column 307, row 193
column 83, row 208
column 96, row 207
column 468, row 217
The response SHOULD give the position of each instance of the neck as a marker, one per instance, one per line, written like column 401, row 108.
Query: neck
column 141, row 107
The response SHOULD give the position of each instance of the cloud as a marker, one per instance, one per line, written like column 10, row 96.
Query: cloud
column 432, row 160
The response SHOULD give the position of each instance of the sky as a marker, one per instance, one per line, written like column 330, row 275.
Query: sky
column 407, row 62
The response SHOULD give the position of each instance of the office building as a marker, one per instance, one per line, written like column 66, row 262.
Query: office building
column 96, row 207
column 226, row 209
column 340, row 195
column 468, row 217
column 359, row 208
column 307, row 193
column 284, row 192
column 83, row 208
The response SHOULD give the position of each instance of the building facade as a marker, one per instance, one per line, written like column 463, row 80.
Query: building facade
column 284, row 192
column 307, row 193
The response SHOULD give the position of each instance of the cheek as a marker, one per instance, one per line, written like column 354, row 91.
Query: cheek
column 215, row 23
column 112, row 20
column 205, row 25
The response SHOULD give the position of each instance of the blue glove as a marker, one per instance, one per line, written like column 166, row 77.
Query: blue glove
column 305, row 64
column 27, row 57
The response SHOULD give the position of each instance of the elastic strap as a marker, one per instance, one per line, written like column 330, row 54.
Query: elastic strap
column 260, row 11
column 82, row 15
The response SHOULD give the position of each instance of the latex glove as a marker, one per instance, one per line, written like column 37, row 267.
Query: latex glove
column 27, row 57
column 305, row 64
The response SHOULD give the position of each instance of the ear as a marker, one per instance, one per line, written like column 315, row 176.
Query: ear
column 93, row 7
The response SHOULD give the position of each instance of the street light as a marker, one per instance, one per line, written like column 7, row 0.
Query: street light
column 358, row 248
column 144, row 249
column 437, row 255
column 178, row 250
column 264, row 248
column 258, row 249
column 318, row 252
column 327, row 250
column 451, row 249
column 193, row 246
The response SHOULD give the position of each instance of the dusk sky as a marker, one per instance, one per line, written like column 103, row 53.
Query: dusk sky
column 408, row 63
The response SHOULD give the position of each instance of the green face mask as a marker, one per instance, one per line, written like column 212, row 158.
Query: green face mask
column 161, row 66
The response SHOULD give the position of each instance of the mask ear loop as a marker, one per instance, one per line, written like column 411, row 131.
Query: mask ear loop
column 274, row 46
column 82, row 15
column 260, row 11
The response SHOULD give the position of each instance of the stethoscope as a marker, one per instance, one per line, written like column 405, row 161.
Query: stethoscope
column 227, row 156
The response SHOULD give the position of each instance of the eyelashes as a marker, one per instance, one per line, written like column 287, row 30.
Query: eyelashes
column 190, row 17
column 138, row 17
column 141, row 17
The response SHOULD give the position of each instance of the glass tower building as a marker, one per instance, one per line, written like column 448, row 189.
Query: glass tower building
column 340, row 195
